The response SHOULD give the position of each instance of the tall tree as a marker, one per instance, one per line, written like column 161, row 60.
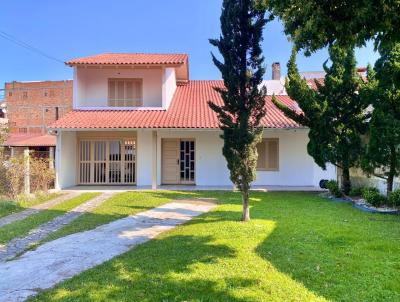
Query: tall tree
column 334, row 111
column 243, row 106
column 383, row 92
column 314, row 24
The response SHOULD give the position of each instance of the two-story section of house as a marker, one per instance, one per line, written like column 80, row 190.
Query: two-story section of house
column 139, row 120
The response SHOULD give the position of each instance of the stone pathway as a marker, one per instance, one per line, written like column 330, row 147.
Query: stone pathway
column 36, row 209
column 66, row 257
column 19, row 245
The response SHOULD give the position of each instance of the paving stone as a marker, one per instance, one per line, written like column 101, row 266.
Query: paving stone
column 18, row 245
column 66, row 257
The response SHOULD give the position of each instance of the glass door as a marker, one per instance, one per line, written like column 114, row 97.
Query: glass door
column 187, row 161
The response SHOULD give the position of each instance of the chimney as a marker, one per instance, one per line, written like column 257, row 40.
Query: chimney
column 276, row 71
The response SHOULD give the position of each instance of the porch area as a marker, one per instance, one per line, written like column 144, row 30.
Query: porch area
column 178, row 159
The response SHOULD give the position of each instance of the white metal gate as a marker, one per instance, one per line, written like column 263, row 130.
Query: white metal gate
column 107, row 161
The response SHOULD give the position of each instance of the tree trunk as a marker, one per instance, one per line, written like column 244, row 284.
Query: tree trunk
column 392, row 171
column 246, row 210
column 389, row 184
column 346, row 184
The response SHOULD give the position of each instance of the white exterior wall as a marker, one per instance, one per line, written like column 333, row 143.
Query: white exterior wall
column 210, row 164
column 66, row 160
column 91, row 89
column 144, row 157
column 169, row 87
column 296, row 167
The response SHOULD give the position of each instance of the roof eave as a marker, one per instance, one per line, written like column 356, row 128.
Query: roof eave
column 72, row 64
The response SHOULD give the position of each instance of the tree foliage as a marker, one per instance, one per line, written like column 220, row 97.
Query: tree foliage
column 243, row 100
column 314, row 24
column 383, row 92
column 334, row 111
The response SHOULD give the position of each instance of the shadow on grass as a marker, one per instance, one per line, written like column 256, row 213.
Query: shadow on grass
column 161, row 270
column 333, row 249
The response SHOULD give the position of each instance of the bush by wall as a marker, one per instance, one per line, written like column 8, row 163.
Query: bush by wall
column 394, row 198
column 333, row 188
column 373, row 197
column 356, row 191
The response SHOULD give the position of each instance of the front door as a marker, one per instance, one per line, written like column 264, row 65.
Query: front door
column 178, row 161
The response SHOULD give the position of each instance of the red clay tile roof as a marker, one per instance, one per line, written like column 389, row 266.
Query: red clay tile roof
column 189, row 109
column 130, row 59
column 30, row 140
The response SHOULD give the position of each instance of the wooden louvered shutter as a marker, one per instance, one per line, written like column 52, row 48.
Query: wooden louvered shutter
column 272, row 147
column 129, row 97
column 138, row 93
column 262, row 156
column 120, row 93
column 125, row 92
column 268, row 154
column 111, row 93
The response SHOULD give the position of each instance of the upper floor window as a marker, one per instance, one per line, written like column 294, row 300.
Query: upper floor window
column 125, row 92
column 25, row 94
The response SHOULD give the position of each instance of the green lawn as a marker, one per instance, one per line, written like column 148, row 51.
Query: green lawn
column 8, row 207
column 22, row 227
column 298, row 247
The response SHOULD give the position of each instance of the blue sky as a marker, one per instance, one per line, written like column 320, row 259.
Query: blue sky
column 69, row 29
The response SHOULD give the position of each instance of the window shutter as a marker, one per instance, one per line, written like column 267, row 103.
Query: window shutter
column 125, row 92
column 120, row 93
column 111, row 92
column 268, row 154
column 272, row 146
column 129, row 93
column 138, row 93
column 261, row 155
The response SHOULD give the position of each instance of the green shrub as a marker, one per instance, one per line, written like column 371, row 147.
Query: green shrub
column 333, row 188
column 356, row 191
column 373, row 197
column 394, row 198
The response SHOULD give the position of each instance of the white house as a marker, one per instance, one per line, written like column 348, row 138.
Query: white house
column 139, row 120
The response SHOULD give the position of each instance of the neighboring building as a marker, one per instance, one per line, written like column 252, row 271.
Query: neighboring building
column 138, row 119
column 3, row 112
column 31, row 108
column 3, row 118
